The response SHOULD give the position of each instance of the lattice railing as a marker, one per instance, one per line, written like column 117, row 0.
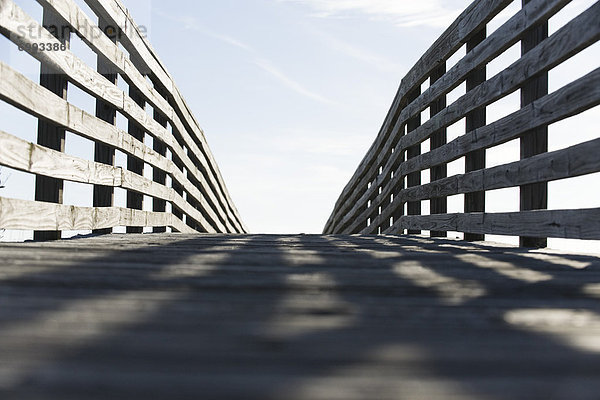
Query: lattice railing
column 385, row 193
column 198, row 198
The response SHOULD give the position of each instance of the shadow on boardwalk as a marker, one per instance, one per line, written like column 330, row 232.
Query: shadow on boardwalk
column 286, row 317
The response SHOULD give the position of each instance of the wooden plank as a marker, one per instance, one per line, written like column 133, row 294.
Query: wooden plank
column 535, row 196
column 475, row 160
column 570, row 39
column 49, row 134
column 576, row 97
column 25, row 94
column 28, row 157
column 280, row 317
column 23, row 214
column 569, row 224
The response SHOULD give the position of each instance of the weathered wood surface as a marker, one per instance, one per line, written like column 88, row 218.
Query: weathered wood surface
column 492, row 46
column 296, row 317
column 376, row 192
column 569, row 224
column 192, row 150
column 472, row 19
column 182, row 118
column 26, row 94
column 24, row 215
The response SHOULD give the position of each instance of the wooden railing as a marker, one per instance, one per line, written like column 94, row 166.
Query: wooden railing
column 196, row 191
column 389, row 176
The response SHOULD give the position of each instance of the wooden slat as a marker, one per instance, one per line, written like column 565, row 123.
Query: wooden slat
column 570, row 39
column 569, row 224
column 25, row 94
column 578, row 96
column 25, row 156
column 23, row 214
column 101, row 88
column 495, row 44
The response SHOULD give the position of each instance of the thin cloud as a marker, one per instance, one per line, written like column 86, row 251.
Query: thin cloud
column 376, row 60
column 191, row 24
column 290, row 83
column 436, row 13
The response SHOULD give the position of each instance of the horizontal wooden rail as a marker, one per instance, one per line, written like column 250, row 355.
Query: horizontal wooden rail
column 23, row 214
column 197, row 192
column 572, row 224
column 374, row 199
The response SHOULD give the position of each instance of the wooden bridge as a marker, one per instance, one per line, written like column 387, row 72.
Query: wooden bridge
column 381, row 306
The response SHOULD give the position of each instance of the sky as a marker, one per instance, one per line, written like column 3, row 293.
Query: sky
column 291, row 94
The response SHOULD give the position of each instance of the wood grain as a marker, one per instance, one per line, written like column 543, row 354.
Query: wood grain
column 98, row 86
column 23, row 214
column 27, row 95
column 562, row 45
column 296, row 317
column 566, row 42
column 471, row 20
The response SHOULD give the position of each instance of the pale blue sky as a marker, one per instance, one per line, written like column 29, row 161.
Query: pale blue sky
column 291, row 93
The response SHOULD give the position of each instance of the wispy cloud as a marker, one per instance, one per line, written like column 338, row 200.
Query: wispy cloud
column 191, row 24
column 358, row 53
column 290, row 83
column 400, row 12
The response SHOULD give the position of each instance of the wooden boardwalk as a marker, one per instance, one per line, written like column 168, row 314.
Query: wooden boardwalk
column 296, row 317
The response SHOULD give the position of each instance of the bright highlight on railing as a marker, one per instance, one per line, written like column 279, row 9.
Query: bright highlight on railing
column 385, row 193
column 196, row 192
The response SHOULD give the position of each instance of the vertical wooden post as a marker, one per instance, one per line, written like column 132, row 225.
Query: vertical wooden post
column 475, row 160
column 438, row 205
column 385, row 201
column 158, row 175
column 135, row 200
column 176, row 186
column 398, row 210
column 534, row 196
column 104, row 195
column 414, row 178
column 50, row 135
column 372, row 199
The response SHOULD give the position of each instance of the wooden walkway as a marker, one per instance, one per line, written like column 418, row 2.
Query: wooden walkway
column 296, row 317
